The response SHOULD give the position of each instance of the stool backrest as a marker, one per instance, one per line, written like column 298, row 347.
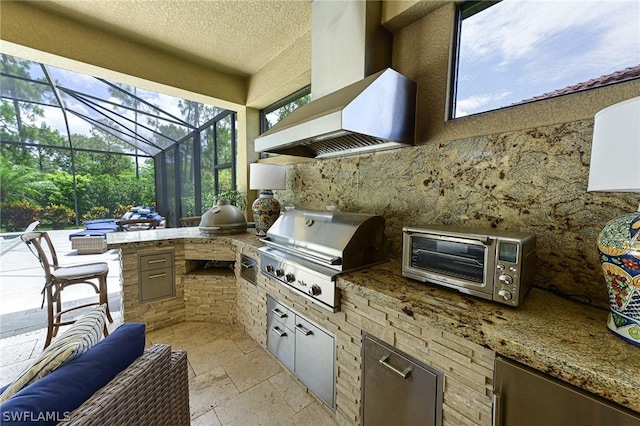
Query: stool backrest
column 137, row 224
column 190, row 221
column 45, row 252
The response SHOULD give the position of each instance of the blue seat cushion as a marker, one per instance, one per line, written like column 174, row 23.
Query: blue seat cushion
column 91, row 233
column 94, row 221
column 102, row 225
column 50, row 399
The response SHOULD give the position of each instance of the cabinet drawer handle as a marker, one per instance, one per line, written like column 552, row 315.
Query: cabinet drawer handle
column 497, row 410
column 404, row 373
column 157, row 261
column 279, row 313
column 158, row 275
column 304, row 330
column 247, row 265
column 279, row 332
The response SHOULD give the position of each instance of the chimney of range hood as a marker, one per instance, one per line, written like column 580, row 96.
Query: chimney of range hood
column 359, row 104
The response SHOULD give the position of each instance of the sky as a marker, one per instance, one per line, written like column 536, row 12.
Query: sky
column 518, row 49
column 90, row 85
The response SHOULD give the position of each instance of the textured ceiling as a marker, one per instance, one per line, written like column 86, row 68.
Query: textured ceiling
column 237, row 37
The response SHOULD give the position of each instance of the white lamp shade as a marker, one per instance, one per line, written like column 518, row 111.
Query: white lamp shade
column 267, row 176
column 615, row 153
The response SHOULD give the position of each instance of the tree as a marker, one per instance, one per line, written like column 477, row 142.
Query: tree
column 18, row 89
column 18, row 182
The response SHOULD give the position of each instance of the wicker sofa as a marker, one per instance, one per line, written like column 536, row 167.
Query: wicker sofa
column 153, row 390
column 116, row 382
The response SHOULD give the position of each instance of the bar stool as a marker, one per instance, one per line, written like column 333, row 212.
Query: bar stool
column 57, row 278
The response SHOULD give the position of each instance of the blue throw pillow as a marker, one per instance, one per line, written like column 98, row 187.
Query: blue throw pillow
column 50, row 399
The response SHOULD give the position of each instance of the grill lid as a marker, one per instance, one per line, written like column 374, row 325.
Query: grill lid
column 223, row 219
column 338, row 240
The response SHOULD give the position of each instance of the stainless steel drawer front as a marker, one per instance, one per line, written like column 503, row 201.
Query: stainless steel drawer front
column 156, row 276
column 156, row 261
column 280, row 341
column 156, row 284
column 281, row 313
column 248, row 268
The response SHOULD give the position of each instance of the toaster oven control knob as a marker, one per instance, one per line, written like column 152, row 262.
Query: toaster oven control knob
column 315, row 290
column 505, row 294
column 289, row 278
column 505, row 279
column 279, row 272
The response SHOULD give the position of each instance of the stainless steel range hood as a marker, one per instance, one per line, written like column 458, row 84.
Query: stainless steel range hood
column 359, row 103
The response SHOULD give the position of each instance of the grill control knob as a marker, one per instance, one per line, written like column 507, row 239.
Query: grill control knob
column 315, row 290
column 505, row 294
column 279, row 272
column 269, row 268
column 289, row 278
column 505, row 279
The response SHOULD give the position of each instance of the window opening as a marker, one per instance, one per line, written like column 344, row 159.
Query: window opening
column 511, row 52
column 275, row 112
column 110, row 124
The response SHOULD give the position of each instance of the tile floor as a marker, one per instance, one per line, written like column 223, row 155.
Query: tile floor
column 232, row 380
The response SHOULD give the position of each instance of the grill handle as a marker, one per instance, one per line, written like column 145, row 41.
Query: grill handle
column 328, row 260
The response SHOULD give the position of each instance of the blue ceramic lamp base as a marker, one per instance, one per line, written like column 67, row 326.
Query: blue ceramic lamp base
column 619, row 247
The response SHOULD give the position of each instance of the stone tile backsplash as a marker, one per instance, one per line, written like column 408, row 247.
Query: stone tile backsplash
column 533, row 180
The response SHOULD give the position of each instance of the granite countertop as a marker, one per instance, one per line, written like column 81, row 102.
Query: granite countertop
column 119, row 240
column 566, row 339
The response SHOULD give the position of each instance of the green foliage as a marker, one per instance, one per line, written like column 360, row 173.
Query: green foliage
column 60, row 190
column 97, row 212
column 42, row 170
column 17, row 215
column 236, row 198
column 58, row 216
column 18, row 182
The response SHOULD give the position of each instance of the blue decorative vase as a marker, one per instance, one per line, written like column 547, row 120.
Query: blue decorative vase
column 619, row 246
column 266, row 210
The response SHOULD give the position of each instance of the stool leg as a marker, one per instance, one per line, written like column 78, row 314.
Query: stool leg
column 49, row 316
column 57, row 316
column 104, row 296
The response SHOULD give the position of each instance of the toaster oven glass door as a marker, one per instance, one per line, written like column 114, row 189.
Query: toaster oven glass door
column 455, row 262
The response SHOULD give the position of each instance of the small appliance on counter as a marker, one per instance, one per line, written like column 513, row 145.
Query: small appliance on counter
column 223, row 219
column 493, row 265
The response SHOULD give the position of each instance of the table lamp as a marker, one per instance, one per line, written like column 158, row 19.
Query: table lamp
column 266, row 209
column 615, row 167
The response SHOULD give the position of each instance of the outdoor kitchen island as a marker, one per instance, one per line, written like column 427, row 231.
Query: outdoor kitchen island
column 453, row 333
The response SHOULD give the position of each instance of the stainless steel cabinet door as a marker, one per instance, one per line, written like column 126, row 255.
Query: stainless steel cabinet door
column 524, row 397
column 396, row 390
column 315, row 360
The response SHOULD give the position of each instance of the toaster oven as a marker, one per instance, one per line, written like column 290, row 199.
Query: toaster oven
column 493, row 265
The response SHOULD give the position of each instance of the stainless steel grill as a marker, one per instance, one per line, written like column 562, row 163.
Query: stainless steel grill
column 306, row 250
